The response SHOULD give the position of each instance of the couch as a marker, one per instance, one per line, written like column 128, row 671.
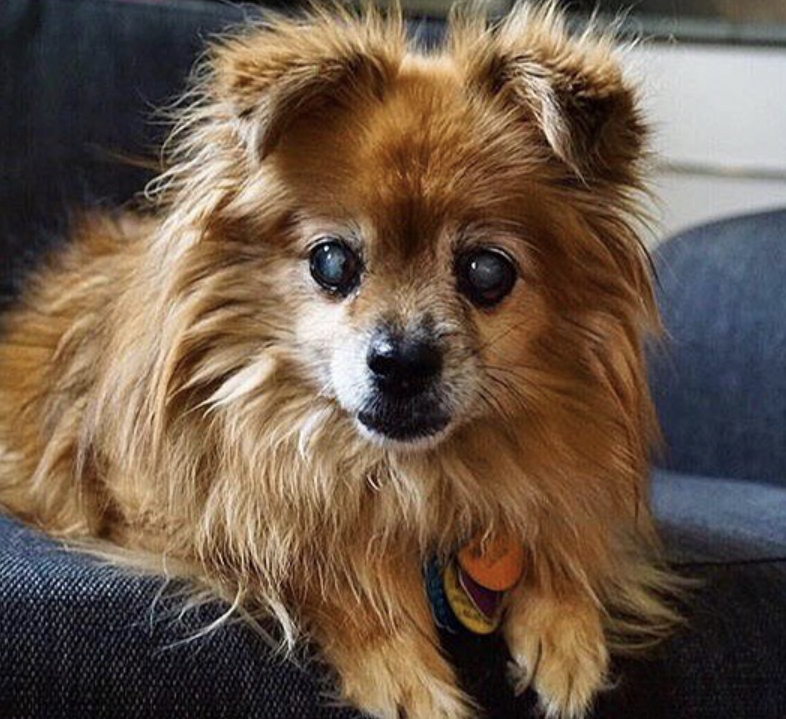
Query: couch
column 78, row 83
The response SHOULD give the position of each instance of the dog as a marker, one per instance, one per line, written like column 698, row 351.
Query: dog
column 381, row 301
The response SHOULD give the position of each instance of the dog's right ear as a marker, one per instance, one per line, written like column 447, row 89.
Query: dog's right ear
column 274, row 74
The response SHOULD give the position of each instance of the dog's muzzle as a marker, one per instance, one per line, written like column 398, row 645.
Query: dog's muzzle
column 406, row 372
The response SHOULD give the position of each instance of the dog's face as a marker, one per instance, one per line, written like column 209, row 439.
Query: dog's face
column 439, row 249
column 417, row 286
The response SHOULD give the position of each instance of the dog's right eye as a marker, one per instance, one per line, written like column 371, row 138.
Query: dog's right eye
column 335, row 267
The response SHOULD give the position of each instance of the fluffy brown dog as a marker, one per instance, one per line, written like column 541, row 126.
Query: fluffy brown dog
column 387, row 301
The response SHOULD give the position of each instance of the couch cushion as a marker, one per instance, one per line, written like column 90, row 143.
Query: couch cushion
column 81, row 639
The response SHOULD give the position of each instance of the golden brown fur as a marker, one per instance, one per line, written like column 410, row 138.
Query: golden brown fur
column 163, row 380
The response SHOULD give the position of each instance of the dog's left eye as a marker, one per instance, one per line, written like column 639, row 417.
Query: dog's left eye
column 335, row 266
column 485, row 275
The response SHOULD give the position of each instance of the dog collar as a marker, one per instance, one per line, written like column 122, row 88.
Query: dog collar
column 467, row 590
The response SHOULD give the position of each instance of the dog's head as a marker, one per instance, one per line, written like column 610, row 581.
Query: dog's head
column 435, row 238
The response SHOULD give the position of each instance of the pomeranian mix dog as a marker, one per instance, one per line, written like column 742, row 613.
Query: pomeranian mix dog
column 387, row 300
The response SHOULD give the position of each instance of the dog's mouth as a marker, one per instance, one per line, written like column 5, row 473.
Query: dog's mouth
column 405, row 422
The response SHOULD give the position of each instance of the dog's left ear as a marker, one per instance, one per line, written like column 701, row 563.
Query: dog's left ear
column 572, row 88
column 273, row 75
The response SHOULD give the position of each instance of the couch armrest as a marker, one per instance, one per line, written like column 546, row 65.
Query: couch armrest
column 719, row 381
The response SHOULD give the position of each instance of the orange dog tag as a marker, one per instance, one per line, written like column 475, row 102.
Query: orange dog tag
column 496, row 564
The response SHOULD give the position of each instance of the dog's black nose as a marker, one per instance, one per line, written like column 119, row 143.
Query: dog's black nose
column 403, row 366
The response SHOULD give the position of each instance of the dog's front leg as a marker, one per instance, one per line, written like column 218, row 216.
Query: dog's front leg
column 558, row 646
column 381, row 641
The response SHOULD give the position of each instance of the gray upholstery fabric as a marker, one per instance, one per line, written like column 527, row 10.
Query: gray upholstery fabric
column 81, row 639
column 720, row 520
column 80, row 84
column 720, row 380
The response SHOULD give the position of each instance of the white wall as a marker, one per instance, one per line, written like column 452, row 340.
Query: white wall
column 719, row 115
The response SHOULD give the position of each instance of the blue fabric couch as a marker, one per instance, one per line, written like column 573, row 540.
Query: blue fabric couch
column 78, row 79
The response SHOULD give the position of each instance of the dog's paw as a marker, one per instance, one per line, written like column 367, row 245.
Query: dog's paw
column 561, row 652
column 388, row 684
